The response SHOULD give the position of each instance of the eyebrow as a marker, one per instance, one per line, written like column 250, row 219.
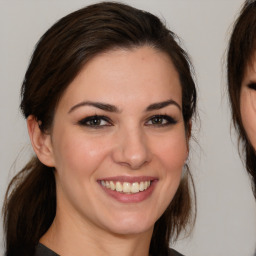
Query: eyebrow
column 103, row 106
column 159, row 105
column 114, row 109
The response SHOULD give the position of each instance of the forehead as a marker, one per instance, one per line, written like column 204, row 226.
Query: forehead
column 143, row 73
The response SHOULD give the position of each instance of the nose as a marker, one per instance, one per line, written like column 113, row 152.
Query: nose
column 132, row 149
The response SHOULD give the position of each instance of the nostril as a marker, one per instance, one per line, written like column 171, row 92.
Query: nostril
column 132, row 151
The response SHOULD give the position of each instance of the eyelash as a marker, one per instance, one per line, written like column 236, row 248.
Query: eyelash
column 252, row 86
column 168, row 120
column 95, row 121
column 86, row 121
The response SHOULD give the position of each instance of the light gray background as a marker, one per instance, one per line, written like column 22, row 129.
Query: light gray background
column 226, row 223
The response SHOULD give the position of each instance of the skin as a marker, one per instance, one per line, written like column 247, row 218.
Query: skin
column 131, row 143
column 248, row 102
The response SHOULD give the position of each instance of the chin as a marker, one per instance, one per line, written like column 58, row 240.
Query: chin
column 131, row 225
column 129, row 231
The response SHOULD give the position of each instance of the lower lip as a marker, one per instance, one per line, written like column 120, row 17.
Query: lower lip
column 131, row 198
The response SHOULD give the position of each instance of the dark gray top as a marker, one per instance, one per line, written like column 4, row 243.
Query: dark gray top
column 42, row 250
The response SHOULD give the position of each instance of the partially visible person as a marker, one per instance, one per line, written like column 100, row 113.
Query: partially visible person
column 109, row 98
column 241, row 73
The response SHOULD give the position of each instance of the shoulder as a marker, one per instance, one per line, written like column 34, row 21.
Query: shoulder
column 172, row 252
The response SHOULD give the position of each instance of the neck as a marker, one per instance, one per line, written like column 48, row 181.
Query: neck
column 68, row 237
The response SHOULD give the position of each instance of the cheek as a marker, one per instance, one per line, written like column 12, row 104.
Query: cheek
column 173, row 152
column 78, row 154
column 248, row 113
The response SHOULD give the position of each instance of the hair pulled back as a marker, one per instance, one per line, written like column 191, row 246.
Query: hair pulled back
column 58, row 57
column 242, row 47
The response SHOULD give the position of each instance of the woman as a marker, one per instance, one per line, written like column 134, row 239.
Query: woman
column 108, row 98
column 241, row 71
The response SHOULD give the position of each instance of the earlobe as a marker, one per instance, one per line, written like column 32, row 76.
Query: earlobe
column 41, row 142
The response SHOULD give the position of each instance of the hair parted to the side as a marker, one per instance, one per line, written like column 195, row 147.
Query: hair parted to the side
column 242, row 47
column 58, row 57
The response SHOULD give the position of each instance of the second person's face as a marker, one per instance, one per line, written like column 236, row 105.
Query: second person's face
column 119, row 142
column 248, row 102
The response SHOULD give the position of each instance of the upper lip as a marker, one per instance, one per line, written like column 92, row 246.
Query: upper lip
column 129, row 179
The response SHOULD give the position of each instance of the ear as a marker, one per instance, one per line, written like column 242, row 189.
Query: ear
column 41, row 142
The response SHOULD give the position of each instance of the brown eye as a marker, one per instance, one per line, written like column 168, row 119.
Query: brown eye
column 95, row 121
column 157, row 120
column 161, row 120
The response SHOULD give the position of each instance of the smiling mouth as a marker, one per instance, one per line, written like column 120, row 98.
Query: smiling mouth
column 126, row 187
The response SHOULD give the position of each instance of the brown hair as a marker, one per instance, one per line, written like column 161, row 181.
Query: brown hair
column 58, row 57
column 242, row 46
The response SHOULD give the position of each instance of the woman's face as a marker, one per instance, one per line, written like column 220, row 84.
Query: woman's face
column 118, row 141
column 248, row 102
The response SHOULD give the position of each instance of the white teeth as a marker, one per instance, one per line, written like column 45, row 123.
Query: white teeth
column 112, row 185
column 142, row 187
column 135, row 187
column 107, row 184
column 119, row 187
column 126, row 187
